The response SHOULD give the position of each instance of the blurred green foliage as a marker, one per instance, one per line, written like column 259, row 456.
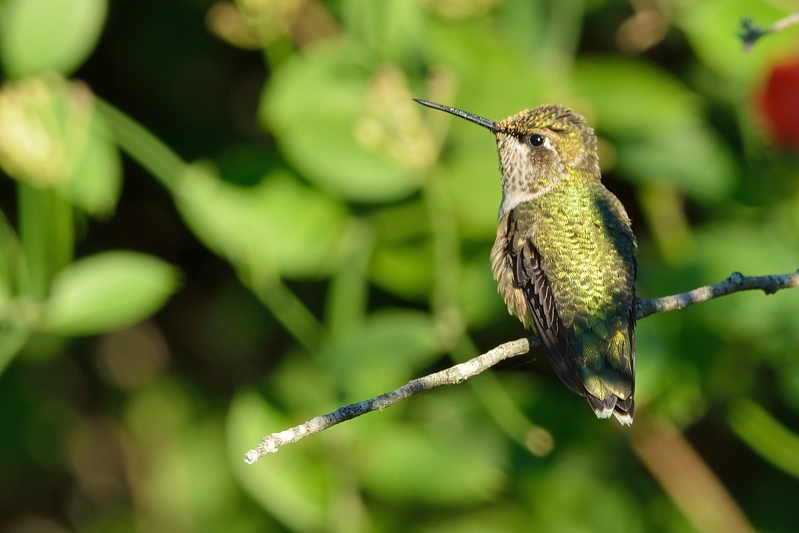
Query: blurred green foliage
column 313, row 237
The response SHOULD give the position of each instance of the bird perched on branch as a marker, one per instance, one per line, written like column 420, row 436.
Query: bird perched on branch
column 565, row 255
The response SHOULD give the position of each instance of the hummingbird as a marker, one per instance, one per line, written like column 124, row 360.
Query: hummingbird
column 565, row 255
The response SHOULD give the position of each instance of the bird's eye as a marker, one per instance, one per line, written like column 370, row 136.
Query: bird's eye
column 536, row 139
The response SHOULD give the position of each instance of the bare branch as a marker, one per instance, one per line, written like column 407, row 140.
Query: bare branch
column 735, row 283
column 646, row 306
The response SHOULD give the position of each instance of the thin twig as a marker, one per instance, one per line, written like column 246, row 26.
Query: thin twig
column 686, row 478
column 735, row 283
column 750, row 33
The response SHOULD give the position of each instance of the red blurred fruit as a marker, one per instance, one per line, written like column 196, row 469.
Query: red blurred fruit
column 779, row 103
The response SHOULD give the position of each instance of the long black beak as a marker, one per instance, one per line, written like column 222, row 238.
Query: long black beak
column 484, row 122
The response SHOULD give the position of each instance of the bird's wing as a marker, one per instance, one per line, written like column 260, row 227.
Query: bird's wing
column 529, row 276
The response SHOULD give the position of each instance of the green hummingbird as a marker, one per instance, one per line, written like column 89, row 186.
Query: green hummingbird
column 565, row 254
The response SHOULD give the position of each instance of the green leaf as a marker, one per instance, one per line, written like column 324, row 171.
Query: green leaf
column 277, row 225
column 350, row 131
column 765, row 435
column 12, row 340
column 499, row 517
column 633, row 96
column 574, row 494
column 690, row 157
column 769, row 322
column 51, row 137
column 477, row 292
column 402, row 260
column 43, row 123
column 289, row 485
column 389, row 29
column 476, row 187
column 710, row 27
column 49, row 35
column 404, row 269
column 47, row 236
column 11, row 261
column 414, row 465
column 97, row 178
column 384, row 353
column 655, row 122
column 507, row 80
column 108, row 291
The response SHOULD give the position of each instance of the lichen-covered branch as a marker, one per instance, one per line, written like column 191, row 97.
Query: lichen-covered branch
column 646, row 306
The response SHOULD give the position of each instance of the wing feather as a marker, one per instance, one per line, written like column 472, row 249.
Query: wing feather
column 532, row 280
